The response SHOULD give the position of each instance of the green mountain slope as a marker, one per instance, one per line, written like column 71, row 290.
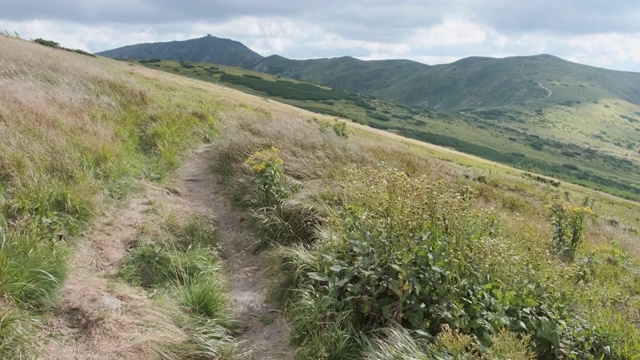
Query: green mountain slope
column 208, row 49
column 593, row 144
column 476, row 82
column 538, row 113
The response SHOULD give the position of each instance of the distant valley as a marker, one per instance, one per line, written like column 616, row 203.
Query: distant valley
column 539, row 113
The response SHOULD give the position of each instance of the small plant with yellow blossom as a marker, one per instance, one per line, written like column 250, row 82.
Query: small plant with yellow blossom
column 267, row 168
column 568, row 223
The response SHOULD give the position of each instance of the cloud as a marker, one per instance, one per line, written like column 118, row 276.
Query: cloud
column 568, row 17
column 449, row 33
column 593, row 32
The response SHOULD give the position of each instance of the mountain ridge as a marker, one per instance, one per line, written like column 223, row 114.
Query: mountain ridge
column 470, row 83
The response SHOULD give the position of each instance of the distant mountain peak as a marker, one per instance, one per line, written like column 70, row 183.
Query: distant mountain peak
column 208, row 49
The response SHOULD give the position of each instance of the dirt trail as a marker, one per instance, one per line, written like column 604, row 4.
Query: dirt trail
column 265, row 330
column 98, row 316
column 549, row 91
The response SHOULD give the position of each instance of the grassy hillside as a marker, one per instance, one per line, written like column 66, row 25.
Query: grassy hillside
column 381, row 250
column 564, row 141
column 381, row 247
column 81, row 134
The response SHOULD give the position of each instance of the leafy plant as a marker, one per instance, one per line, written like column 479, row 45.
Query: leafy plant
column 568, row 223
column 340, row 128
column 269, row 180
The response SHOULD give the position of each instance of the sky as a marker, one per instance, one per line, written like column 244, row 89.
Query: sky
column 603, row 33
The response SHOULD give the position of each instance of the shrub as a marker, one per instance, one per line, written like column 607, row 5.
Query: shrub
column 49, row 43
column 340, row 128
column 568, row 223
column 409, row 252
column 269, row 180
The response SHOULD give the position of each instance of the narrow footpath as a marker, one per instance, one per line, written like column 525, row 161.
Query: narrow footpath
column 99, row 317
column 264, row 329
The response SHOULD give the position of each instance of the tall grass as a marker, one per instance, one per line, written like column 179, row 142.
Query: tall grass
column 401, row 239
column 77, row 132
column 177, row 258
column 16, row 329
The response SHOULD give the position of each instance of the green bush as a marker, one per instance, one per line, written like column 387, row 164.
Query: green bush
column 340, row 129
column 49, row 43
column 568, row 223
column 406, row 251
column 269, row 180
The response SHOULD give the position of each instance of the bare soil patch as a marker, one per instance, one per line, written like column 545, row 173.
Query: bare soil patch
column 98, row 316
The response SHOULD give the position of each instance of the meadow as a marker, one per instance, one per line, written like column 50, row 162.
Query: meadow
column 380, row 251
column 80, row 137
column 380, row 247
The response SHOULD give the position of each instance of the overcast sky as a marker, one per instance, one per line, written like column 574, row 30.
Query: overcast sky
column 594, row 32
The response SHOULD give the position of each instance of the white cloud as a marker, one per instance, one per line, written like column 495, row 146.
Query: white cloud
column 448, row 40
column 449, row 33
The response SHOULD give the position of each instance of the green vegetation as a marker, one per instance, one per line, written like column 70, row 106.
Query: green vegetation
column 604, row 166
column 286, row 89
column 408, row 259
column 55, row 45
column 379, row 248
column 568, row 227
column 97, row 134
column 178, row 260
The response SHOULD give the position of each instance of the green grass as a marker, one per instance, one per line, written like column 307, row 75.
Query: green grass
column 78, row 133
column 411, row 259
column 16, row 329
column 548, row 139
column 177, row 259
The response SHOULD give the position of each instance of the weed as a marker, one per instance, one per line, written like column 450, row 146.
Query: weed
column 266, row 320
column 568, row 223
column 203, row 295
column 270, row 183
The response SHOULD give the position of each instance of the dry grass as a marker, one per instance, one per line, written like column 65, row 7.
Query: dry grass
column 78, row 132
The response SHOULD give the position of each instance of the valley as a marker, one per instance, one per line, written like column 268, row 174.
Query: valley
column 544, row 141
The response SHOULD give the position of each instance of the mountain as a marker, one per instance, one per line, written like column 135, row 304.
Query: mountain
column 538, row 113
column 208, row 49
column 476, row 82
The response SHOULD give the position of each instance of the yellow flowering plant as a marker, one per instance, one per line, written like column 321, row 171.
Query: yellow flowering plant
column 568, row 223
column 267, row 167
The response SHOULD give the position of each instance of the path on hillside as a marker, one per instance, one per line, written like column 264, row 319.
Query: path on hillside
column 265, row 330
column 549, row 91
column 99, row 317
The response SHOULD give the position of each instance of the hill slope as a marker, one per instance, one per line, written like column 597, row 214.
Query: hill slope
column 384, row 246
